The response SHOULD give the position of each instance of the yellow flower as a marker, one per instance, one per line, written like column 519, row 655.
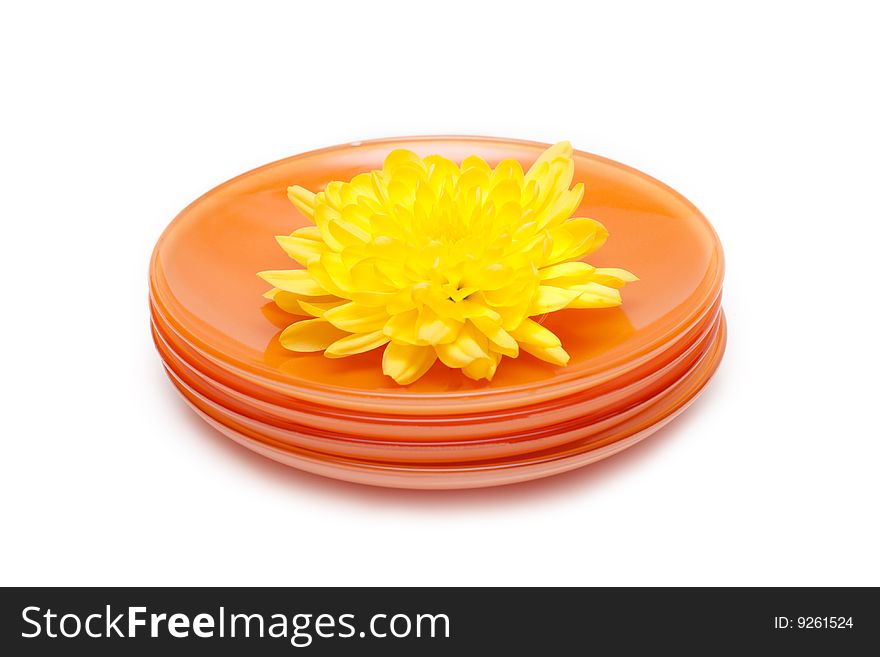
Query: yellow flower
column 434, row 260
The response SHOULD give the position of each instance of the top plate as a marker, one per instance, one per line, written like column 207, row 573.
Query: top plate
column 203, row 280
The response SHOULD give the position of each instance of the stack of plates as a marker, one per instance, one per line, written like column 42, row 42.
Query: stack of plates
column 632, row 368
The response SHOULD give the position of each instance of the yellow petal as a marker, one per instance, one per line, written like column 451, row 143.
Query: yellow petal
column 553, row 172
column 567, row 273
column 308, row 233
column 549, row 299
column 356, row 318
column 303, row 199
column 324, row 215
column 473, row 309
column 576, row 238
column 357, row 215
column 402, row 191
column 333, row 194
column 300, row 249
column 513, row 316
column 332, row 273
column 482, row 368
column 487, row 276
column 361, row 184
column 356, row 344
column 288, row 302
column 594, row 295
column 441, row 173
column 316, row 308
column 615, row 278
column 532, row 333
column 365, row 276
column 560, row 149
column 519, row 290
column 431, row 328
column 467, row 347
column 400, row 157
column 380, row 187
column 393, row 272
column 529, row 195
column 475, row 162
column 507, row 170
column 373, row 299
column 562, row 208
column 501, row 340
column 310, row 335
column 407, row 363
column 508, row 216
column 445, row 308
column 296, row 304
column 402, row 327
column 391, row 226
column 555, row 355
column 346, row 233
column 473, row 178
column 298, row 281
column 400, row 302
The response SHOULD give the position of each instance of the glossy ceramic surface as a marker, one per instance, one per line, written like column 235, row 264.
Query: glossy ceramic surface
column 205, row 292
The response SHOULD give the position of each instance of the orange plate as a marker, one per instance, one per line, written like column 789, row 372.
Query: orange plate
column 598, row 402
column 475, row 474
column 203, row 282
column 407, row 446
column 297, row 409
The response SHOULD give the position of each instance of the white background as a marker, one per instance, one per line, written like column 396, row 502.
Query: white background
column 765, row 115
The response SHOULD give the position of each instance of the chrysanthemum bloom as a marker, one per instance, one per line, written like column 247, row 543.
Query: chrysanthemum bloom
column 432, row 260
